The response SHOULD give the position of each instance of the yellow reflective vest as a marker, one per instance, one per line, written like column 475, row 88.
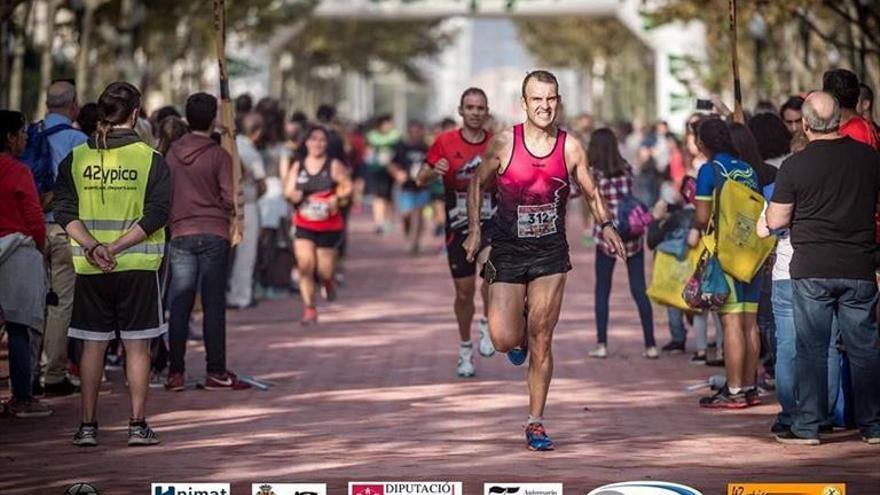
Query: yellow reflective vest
column 111, row 185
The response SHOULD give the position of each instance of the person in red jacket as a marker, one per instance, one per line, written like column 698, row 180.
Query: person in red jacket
column 22, row 285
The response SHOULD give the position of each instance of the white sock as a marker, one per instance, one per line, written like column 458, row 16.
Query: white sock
column 535, row 419
column 734, row 390
column 467, row 344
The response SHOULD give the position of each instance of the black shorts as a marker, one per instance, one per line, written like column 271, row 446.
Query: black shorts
column 459, row 266
column 512, row 265
column 125, row 304
column 379, row 183
column 321, row 239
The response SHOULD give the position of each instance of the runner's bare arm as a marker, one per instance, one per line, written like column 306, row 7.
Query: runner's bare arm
column 428, row 173
column 579, row 169
column 291, row 192
column 342, row 178
column 396, row 171
column 496, row 156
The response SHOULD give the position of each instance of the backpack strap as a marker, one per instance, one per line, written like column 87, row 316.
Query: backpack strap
column 716, row 203
column 54, row 129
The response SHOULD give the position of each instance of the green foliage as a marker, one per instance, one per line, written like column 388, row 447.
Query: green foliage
column 576, row 42
column 355, row 45
column 803, row 38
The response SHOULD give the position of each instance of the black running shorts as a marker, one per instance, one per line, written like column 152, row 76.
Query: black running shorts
column 459, row 266
column 124, row 304
column 323, row 240
column 512, row 265
column 380, row 183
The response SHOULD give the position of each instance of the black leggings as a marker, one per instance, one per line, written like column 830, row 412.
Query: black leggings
column 635, row 267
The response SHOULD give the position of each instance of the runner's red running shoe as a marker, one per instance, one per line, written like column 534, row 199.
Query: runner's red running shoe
column 310, row 316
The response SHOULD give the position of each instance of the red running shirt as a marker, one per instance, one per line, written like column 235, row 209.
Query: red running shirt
column 314, row 212
column 862, row 131
column 464, row 158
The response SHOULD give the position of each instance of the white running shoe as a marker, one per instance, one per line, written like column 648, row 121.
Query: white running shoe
column 487, row 349
column 466, row 361
column 600, row 352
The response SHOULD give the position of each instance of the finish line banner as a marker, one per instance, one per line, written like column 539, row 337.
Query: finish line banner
column 786, row 489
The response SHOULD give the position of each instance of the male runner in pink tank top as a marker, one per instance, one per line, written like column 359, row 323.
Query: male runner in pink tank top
column 533, row 165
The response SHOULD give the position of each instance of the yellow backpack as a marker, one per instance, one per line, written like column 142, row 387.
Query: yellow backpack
column 736, row 211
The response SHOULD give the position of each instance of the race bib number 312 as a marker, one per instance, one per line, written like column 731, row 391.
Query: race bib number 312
column 536, row 220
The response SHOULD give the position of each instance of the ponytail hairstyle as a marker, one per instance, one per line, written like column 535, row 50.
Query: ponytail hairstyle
column 115, row 107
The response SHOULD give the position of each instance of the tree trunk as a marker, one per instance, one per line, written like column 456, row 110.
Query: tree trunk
column 4, row 63
column 16, row 73
column 83, row 81
column 46, row 54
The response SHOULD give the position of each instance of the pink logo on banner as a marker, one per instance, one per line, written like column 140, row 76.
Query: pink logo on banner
column 368, row 490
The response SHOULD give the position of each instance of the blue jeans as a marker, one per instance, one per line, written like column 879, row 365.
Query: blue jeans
column 635, row 267
column 815, row 302
column 19, row 360
column 766, row 322
column 786, row 352
column 198, row 262
column 677, row 330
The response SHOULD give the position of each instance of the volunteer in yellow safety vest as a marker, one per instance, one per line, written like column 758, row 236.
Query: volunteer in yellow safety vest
column 112, row 197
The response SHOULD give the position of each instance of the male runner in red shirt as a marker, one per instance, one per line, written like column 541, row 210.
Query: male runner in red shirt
column 532, row 166
column 455, row 156
column 844, row 85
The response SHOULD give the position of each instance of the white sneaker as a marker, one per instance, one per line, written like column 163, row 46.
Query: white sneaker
column 600, row 352
column 466, row 362
column 486, row 347
column 651, row 353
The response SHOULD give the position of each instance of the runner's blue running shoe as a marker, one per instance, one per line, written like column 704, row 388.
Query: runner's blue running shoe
column 536, row 437
column 518, row 355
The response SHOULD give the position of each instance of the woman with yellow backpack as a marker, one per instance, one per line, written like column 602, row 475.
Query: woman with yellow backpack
column 728, row 195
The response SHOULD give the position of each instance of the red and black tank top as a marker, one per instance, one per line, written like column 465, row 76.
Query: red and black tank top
column 318, row 189
column 532, row 193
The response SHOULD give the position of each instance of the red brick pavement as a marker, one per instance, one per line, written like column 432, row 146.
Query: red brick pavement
column 371, row 393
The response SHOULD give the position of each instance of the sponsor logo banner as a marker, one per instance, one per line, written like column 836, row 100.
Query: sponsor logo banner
column 645, row 488
column 184, row 488
column 404, row 488
column 786, row 488
column 81, row 489
column 522, row 488
column 288, row 489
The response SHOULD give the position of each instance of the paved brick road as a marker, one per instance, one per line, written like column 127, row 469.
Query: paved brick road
column 371, row 394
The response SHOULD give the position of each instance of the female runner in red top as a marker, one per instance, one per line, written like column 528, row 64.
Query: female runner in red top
column 317, row 186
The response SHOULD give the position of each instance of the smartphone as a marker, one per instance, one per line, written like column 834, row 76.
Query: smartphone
column 704, row 104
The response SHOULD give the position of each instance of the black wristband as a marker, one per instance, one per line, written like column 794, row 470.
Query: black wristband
column 92, row 249
column 609, row 223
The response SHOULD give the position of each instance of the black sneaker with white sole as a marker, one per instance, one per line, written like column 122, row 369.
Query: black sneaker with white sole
column 86, row 435
column 141, row 435
column 673, row 347
column 788, row 437
column 698, row 358
column 778, row 428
